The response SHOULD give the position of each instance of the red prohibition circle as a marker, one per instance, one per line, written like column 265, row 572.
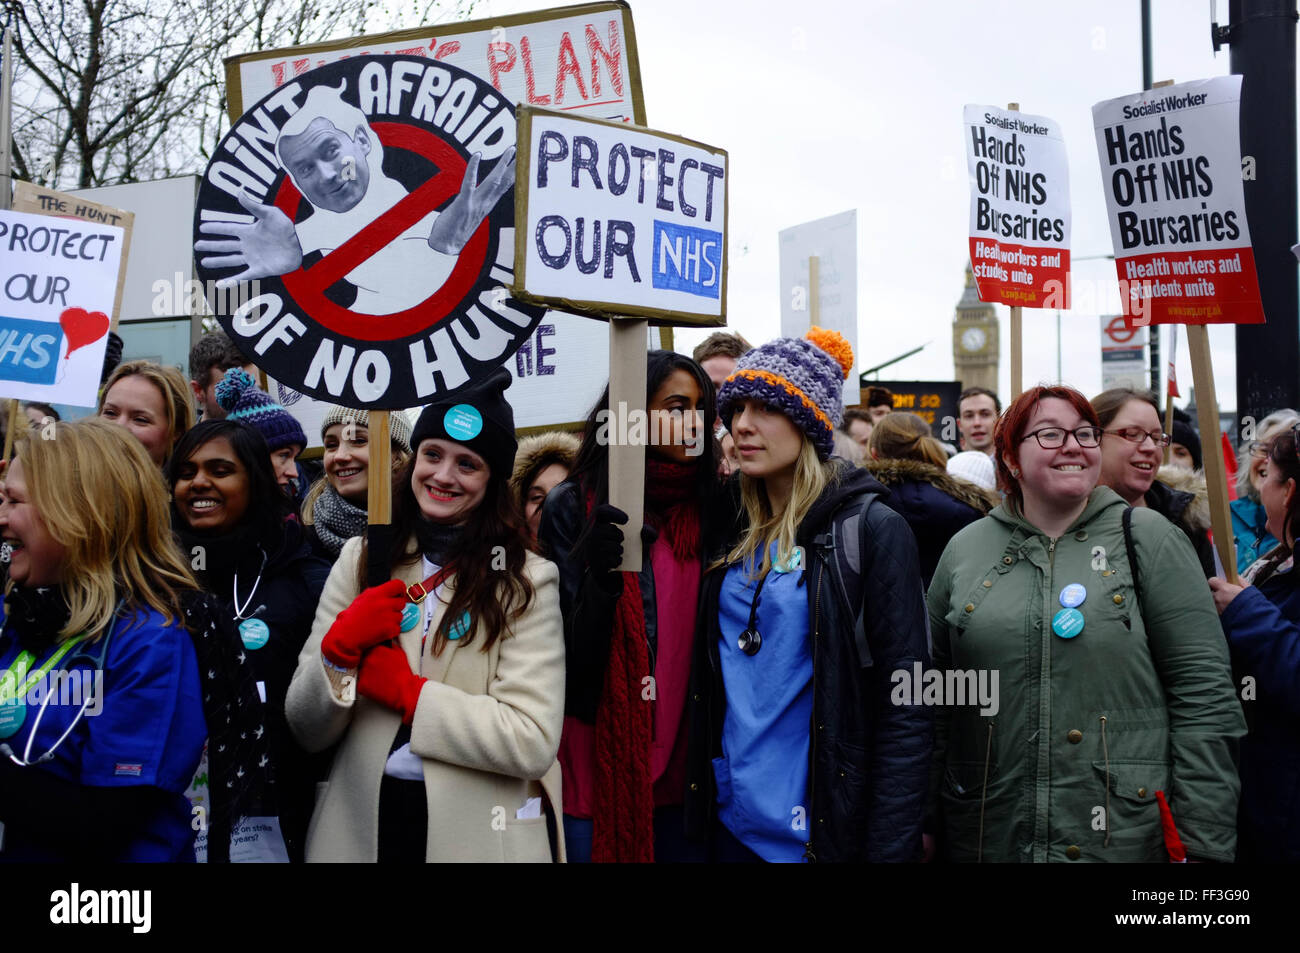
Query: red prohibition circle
column 307, row 286
column 1119, row 331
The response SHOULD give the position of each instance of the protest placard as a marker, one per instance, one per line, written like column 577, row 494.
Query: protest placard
column 1171, row 171
column 29, row 197
column 828, row 249
column 1171, row 166
column 621, row 223
column 59, row 279
column 355, row 232
column 614, row 220
column 579, row 58
column 1019, row 207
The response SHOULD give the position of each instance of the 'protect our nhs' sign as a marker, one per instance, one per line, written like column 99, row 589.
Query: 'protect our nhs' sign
column 612, row 219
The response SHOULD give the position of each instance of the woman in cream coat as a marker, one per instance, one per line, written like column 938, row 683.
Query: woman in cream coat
column 449, row 734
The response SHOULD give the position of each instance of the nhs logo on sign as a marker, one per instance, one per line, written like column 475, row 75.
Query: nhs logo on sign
column 29, row 350
column 687, row 259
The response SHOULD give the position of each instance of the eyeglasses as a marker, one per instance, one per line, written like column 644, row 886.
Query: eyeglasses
column 1053, row 438
column 1138, row 435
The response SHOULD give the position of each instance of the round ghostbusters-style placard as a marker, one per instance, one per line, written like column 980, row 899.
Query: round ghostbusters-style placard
column 355, row 232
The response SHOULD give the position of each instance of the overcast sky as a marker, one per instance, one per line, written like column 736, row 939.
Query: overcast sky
column 831, row 105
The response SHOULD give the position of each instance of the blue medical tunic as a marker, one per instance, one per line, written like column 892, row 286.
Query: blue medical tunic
column 762, row 776
column 147, row 729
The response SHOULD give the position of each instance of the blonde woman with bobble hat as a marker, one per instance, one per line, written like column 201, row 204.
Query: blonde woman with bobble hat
column 334, row 510
column 797, row 752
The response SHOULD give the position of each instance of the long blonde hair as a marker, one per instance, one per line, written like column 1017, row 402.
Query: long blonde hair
column 763, row 527
column 101, row 497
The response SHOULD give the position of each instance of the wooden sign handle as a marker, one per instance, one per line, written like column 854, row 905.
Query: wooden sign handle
column 627, row 385
column 379, row 498
column 1216, row 480
column 1017, row 331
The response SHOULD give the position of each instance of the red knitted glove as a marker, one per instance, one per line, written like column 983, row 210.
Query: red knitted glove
column 375, row 616
column 386, row 677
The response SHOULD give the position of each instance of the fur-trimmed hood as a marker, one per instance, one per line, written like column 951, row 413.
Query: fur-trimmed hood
column 1196, row 513
column 893, row 472
column 553, row 446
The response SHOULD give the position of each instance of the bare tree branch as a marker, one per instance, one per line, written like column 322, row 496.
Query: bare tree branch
column 110, row 91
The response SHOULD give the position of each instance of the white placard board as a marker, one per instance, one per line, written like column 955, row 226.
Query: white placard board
column 58, row 282
column 834, row 242
column 1171, row 168
column 1019, row 207
column 614, row 220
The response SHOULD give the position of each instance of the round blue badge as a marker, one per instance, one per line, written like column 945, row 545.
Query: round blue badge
column 1067, row 623
column 1073, row 595
column 410, row 616
column 254, row 633
column 12, row 715
column 462, row 422
column 459, row 628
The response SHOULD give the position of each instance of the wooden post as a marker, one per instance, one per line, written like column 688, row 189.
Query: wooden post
column 1017, row 331
column 11, row 427
column 1216, row 480
column 627, row 384
column 379, row 497
column 1169, row 398
column 814, row 291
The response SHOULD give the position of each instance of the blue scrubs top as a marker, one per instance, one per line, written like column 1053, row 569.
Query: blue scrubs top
column 147, row 728
column 762, row 776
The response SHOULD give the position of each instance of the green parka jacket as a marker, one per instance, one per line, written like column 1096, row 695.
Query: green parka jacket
column 1086, row 729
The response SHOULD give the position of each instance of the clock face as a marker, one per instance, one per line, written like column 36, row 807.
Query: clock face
column 972, row 339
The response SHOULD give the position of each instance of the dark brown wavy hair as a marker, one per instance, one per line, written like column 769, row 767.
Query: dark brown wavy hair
column 493, row 595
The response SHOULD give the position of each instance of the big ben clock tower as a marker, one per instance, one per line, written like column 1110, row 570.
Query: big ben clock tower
column 975, row 339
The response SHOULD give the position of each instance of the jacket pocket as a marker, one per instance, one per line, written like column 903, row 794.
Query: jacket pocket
column 525, row 841
column 976, row 818
column 1133, row 817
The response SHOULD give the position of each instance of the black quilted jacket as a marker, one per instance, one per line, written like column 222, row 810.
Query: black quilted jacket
column 869, row 757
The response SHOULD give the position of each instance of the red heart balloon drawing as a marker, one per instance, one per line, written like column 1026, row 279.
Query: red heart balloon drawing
column 83, row 327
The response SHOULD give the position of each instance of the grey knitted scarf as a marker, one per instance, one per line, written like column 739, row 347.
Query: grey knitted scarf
column 336, row 520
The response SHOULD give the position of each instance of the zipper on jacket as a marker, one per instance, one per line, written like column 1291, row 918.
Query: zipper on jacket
column 809, row 854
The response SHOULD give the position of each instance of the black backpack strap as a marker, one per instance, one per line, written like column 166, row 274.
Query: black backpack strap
column 1127, row 522
column 846, row 562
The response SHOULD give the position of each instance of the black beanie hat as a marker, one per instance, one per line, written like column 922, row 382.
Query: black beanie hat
column 478, row 417
column 1184, row 434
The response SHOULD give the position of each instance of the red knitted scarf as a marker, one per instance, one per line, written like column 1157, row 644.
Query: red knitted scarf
column 623, row 815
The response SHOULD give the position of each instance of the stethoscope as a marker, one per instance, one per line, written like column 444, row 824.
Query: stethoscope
column 96, row 658
column 241, row 609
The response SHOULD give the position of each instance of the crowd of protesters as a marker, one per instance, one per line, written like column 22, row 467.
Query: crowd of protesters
column 847, row 640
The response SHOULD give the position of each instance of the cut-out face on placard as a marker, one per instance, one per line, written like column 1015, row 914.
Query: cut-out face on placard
column 355, row 232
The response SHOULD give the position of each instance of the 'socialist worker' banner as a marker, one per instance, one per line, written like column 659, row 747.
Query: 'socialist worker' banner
column 355, row 230
column 1171, row 167
column 1019, row 207
column 615, row 220
column 58, row 280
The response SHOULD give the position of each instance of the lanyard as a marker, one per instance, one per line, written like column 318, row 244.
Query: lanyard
column 17, row 671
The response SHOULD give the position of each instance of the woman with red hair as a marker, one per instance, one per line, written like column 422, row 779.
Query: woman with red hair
column 1109, row 677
